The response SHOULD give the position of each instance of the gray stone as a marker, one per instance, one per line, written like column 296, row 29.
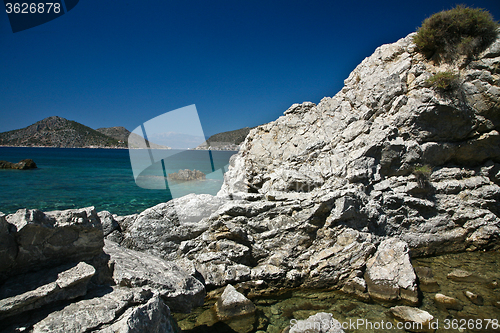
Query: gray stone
column 448, row 302
column 35, row 290
column 54, row 238
column 420, row 320
column 154, row 316
column 179, row 290
column 474, row 298
column 427, row 282
column 390, row 275
column 321, row 322
column 233, row 304
column 93, row 312
column 460, row 275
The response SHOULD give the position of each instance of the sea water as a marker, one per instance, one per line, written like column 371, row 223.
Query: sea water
column 79, row 177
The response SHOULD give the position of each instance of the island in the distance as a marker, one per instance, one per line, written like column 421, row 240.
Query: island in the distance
column 62, row 133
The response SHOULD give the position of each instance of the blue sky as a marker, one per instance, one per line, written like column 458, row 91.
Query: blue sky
column 121, row 63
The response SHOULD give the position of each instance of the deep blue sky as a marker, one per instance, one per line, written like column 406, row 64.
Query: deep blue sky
column 120, row 63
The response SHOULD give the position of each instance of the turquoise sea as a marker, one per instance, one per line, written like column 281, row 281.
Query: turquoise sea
column 78, row 177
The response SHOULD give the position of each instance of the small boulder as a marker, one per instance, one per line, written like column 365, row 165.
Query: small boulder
column 232, row 304
column 474, row 298
column 460, row 275
column 447, row 302
column 389, row 274
column 421, row 321
column 186, row 175
column 179, row 290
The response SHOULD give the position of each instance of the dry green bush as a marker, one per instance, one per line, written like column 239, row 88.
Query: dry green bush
column 459, row 31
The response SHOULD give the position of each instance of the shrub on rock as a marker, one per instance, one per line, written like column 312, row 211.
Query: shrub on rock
column 461, row 30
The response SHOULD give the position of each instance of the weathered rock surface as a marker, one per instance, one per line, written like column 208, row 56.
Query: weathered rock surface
column 321, row 322
column 390, row 275
column 21, row 165
column 31, row 291
column 154, row 316
column 233, row 304
column 50, row 239
column 74, row 295
column 415, row 317
column 131, row 268
column 369, row 138
column 90, row 313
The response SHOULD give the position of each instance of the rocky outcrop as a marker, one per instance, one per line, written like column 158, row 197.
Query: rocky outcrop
column 58, row 277
column 340, row 194
column 35, row 239
column 178, row 290
column 21, row 165
column 370, row 139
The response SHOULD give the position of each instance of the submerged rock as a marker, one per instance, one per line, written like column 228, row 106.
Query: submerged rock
column 233, row 304
column 186, row 175
column 415, row 320
column 448, row 302
column 321, row 322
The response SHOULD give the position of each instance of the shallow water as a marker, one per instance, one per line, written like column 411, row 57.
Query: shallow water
column 78, row 177
column 276, row 311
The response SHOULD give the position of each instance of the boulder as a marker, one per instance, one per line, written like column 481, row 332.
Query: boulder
column 100, row 308
column 414, row 319
column 448, row 302
column 153, row 316
column 32, row 291
column 53, row 238
column 389, row 274
column 21, row 165
column 180, row 291
column 233, row 304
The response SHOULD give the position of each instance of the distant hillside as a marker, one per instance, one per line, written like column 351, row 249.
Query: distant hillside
column 58, row 132
column 235, row 137
column 119, row 133
column 226, row 140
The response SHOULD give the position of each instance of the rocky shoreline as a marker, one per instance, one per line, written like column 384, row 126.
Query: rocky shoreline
column 340, row 195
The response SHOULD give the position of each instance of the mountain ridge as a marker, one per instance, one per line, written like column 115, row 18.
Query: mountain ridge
column 59, row 132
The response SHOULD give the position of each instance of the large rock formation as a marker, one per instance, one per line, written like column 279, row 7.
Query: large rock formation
column 310, row 196
column 369, row 141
